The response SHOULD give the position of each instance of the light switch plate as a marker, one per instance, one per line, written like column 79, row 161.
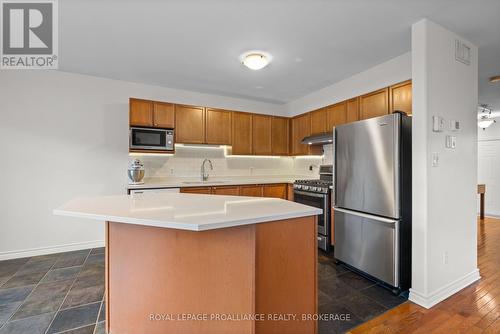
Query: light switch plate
column 437, row 124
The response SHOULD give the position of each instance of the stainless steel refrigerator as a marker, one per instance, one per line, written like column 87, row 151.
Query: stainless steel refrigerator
column 372, row 198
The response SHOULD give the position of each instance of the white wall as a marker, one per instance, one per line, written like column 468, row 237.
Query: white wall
column 65, row 135
column 383, row 75
column 444, row 197
column 489, row 167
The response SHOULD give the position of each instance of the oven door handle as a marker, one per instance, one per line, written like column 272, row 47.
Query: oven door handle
column 310, row 194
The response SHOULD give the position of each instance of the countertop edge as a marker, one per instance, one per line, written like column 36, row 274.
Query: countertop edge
column 186, row 226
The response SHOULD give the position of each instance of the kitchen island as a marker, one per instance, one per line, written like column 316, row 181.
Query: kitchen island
column 186, row 263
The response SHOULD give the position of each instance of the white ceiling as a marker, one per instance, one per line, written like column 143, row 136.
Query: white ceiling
column 195, row 44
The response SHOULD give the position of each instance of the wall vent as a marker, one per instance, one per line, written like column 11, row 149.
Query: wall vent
column 462, row 52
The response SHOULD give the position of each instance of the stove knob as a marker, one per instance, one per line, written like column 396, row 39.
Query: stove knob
column 313, row 188
column 305, row 187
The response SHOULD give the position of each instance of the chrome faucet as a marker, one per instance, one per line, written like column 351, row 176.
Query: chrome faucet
column 204, row 174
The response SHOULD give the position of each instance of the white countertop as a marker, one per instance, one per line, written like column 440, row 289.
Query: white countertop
column 193, row 212
column 181, row 182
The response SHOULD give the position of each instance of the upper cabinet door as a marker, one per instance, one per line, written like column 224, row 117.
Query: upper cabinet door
column 163, row 115
column 218, row 126
column 336, row 115
column 401, row 97
column 261, row 134
column 301, row 127
column 140, row 112
column 242, row 133
column 374, row 104
column 279, row 135
column 352, row 110
column 189, row 124
column 318, row 121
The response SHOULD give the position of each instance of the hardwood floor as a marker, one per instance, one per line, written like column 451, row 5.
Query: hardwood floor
column 475, row 309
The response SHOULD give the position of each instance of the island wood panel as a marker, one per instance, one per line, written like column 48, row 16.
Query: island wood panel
column 401, row 97
column 189, row 124
column 337, row 115
column 165, row 271
column 251, row 190
column 218, row 126
column 286, row 274
column 228, row 190
column 163, row 115
column 332, row 227
column 249, row 269
column 275, row 190
column 374, row 104
column 319, row 121
column 279, row 135
column 140, row 112
column 241, row 133
column 261, row 134
column 352, row 110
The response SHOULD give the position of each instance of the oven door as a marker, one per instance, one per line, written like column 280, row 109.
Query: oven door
column 151, row 139
column 319, row 201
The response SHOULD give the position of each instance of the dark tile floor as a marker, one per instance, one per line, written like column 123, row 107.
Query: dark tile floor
column 56, row 293
column 63, row 293
column 348, row 298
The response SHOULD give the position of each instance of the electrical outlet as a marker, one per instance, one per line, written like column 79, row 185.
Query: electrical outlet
column 435, row 159
column 251, row 170
column 171, row 171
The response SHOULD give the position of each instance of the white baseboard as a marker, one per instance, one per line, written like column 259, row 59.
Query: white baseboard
column 50, row 250
column 446, row 291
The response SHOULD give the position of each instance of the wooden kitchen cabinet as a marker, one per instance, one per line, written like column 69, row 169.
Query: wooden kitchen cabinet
column 401, row 97
column 275, row 190
column 189, row 124
column 301, row 127
column 197, row 190
column 279, row 135
column 319, row 121
column 242, row 133
column 336, row 115
column 229, row 190
column 261, row 134
column 332, row 228
column 163, row 115
column 251, row 190
column 218, row 126
column 352, row 110
column 140, row 112
column 374, row 104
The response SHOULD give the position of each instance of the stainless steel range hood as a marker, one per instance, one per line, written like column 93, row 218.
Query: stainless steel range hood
column 319, row 139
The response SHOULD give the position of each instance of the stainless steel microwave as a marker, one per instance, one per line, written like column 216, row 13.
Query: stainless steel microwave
column 151, row 139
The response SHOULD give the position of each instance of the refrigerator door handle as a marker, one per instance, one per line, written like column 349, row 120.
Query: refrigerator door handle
column 365, row 215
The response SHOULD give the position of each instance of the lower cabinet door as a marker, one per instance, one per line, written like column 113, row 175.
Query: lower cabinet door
column 275, row 190
column 197, row 190
column 254, row 191
column 229, row 191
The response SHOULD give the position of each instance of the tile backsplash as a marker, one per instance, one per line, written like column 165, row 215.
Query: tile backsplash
column 187, row 161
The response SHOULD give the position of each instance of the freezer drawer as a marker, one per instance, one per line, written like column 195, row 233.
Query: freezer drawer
column 368, row 243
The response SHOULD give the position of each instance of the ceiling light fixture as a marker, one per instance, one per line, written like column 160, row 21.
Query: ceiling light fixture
column 495, row 78
column 255, row 60
column 484, row 116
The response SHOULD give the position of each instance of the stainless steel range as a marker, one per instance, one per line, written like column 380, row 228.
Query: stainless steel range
column 317, row 193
